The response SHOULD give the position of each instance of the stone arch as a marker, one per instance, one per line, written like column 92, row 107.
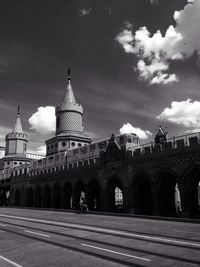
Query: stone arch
column 191, row 190
column 56, row 196
column 29, row 197
column 38, row 197
column 67, row 195
column 17, row 199
column 46, row 196
column 166, row 182
column 78, row 188
column 143, row 199
column 94, row 195
column 113, row 184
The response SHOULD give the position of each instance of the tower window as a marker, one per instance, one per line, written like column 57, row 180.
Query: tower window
column 79, row 144
column 73, row 144
column 57, row 122
column 63, row 143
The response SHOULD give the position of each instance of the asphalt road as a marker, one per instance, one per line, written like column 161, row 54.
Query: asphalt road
column 51, row 238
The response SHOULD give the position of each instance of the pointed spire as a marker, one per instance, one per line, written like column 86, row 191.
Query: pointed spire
column 69, row 95
column 18, row 126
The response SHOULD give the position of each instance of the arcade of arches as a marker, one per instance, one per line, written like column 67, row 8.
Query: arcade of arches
column 165, row 194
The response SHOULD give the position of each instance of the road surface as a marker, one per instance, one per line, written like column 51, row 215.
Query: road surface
column 51, row 238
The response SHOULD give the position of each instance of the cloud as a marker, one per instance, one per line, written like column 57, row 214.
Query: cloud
column 41, row 150
column 43, row 121
column 85, row 11
column 155, row 51
column 128, row 128
column 185, row 113
column 153, row 1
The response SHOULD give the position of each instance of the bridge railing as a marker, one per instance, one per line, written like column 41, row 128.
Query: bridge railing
column 175, row 142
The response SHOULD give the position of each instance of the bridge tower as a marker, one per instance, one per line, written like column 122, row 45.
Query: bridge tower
column 69, row 129
column 16, row 146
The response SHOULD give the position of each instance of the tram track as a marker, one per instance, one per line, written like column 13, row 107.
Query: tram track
column 95, row 242
column 76, row 248
column 144, row 236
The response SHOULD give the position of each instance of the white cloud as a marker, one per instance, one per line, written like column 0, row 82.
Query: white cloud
column 43, row 121
column 156, row 51
column 85, row 11
column 41, row 150
column 128, row 128
column 185, row 113
column 153, row 1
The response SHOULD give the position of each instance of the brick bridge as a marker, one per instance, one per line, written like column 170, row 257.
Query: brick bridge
column 146, row 176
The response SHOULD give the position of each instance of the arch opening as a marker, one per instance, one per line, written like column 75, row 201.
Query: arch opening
column 194, row 193
column 29, row 197
column 94, row 196
column 166, row 195
column 17, row 198
column 47, row 196
column 80, row 189
column 56, row 196
column 143, row 195
column 38, row 197
column 67, row 196
column 115, row 196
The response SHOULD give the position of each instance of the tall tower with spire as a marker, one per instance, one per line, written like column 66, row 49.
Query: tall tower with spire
column 16, row 146
column 69, row 129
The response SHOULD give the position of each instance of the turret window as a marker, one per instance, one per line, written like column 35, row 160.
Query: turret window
column 63, row 144
column 57, row 122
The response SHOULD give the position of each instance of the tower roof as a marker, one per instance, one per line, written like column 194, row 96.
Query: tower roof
column 18, row 126
column 69, row 95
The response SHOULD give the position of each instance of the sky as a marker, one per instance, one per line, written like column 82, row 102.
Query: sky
column 134, row 65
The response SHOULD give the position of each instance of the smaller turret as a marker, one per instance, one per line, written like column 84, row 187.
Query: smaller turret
column 16, row 141
column 161, row 136
column 16, row 146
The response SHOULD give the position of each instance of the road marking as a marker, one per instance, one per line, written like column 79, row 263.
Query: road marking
column 11, row 262
column 116, row 252
column 103, row 230
column 2, row 224
column 35, row 233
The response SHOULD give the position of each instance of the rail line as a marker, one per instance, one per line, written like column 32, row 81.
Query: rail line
column 95, row 242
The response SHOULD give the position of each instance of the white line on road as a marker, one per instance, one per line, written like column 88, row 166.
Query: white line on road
column 11, row 262
column 104, row 230
column 116, row 252
column 35, row 233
